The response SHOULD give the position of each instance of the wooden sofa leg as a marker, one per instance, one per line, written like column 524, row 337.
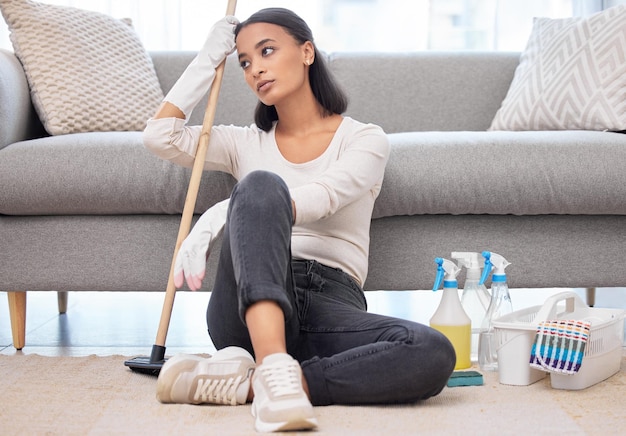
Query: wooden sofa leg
column 591, row 297
column 17, row 313
column 62, row 301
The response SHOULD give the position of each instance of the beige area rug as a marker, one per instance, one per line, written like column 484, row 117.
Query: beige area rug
column 100, row 396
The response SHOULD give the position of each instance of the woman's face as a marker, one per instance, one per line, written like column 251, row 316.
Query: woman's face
column 273, row 62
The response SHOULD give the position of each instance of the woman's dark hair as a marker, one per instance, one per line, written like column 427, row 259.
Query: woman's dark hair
column 324, row 86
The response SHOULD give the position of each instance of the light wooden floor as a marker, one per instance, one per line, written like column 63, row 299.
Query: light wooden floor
column 125, row 323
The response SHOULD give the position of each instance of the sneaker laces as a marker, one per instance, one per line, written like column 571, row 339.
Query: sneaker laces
column 282, row 378
column 218, row 391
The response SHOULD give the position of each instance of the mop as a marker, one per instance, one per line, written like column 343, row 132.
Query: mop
column 153, row 364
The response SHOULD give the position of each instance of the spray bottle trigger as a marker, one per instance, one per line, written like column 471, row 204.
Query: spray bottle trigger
column 440, row 273
column 487, row 268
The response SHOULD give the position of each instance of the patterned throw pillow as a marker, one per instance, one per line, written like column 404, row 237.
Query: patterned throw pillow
column 571, row 76
column 87, row 71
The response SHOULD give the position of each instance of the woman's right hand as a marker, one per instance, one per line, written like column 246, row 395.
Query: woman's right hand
column 196, row 80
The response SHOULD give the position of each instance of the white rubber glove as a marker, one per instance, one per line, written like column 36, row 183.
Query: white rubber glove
column 193, row 253
column 199, row 75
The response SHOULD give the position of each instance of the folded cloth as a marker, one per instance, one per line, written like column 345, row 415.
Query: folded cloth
column 560, row 345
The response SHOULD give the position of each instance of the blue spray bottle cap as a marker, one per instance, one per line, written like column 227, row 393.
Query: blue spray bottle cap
column 494, row 260
column 450, row 270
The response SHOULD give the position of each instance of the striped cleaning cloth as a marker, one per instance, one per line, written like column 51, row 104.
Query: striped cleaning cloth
column 560, row 345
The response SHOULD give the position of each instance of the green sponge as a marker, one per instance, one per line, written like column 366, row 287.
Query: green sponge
column 465, row 378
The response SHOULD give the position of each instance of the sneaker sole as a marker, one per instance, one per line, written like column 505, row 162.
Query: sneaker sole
column 302, row 423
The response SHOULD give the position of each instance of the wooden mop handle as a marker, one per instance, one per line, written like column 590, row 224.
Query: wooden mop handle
column 192, row 190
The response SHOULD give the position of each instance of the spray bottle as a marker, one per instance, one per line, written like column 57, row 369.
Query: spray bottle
column 499, row 305
column 450, row 318
column 475, row 297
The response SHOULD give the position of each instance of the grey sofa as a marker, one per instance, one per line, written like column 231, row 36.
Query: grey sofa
column 98, row 212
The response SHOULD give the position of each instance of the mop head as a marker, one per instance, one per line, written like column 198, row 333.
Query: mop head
column 465, row 378
column 560, row 346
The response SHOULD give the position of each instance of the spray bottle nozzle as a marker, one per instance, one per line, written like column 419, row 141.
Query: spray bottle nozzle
column 450, row 270
column 469, row 260
column 473, row 262
column 496, row 261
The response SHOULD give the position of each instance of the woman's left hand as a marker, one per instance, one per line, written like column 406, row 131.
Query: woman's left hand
column 192, row 256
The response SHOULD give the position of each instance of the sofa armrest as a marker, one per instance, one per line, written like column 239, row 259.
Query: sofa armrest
column 18, row 118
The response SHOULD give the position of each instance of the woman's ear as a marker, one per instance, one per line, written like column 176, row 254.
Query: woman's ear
column 308, row 52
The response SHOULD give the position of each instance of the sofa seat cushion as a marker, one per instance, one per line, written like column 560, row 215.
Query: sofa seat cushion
column 97, row 173
column 520, row 173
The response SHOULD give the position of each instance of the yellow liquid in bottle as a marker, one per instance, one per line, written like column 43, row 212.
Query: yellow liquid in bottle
column 461, row 338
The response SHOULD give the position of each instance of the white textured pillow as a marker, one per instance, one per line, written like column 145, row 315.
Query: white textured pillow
column 87, row 71
column 571, row 76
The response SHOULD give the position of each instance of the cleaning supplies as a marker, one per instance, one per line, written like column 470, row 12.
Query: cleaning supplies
column 475, row 297
column 499, row 305
column 465, row 378
column 450, row 318
column 559, row 345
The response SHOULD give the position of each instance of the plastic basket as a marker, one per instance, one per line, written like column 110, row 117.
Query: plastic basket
column 515, row 334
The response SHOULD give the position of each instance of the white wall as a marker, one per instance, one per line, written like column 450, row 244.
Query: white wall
column 349, row 25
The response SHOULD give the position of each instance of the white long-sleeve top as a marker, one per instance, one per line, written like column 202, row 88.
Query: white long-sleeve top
column 334, row 194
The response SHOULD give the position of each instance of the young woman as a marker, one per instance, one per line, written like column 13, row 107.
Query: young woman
column 295, row 241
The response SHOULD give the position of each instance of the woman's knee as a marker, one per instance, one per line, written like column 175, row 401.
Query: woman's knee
column 262, row 194
column 444, row 356
column 262, row 185
column 433, row 358
column 430, row 349
column 439, row 363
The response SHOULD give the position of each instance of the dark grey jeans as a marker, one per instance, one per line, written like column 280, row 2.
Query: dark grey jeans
column 348, row 356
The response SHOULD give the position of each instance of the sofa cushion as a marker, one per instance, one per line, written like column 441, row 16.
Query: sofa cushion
column 521, row 173
column 572, row 75
column 86, row 71
column 97, row 173
column 424, row 91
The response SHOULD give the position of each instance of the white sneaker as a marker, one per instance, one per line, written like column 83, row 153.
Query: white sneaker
column 280, row 403
column 223, row 378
